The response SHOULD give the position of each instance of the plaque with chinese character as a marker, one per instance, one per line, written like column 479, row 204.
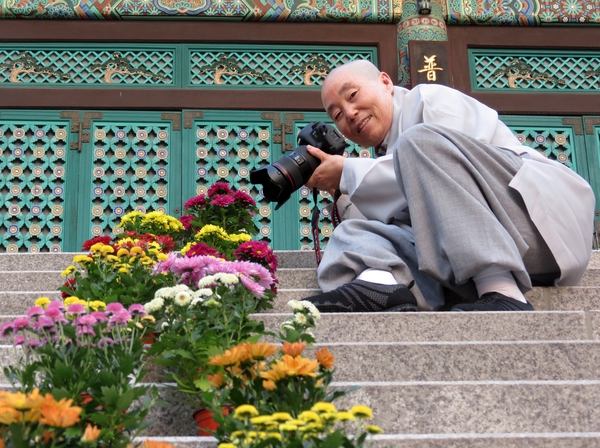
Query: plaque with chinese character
column 429, row 63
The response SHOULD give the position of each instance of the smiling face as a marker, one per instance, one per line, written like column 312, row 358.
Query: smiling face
column 359, row 100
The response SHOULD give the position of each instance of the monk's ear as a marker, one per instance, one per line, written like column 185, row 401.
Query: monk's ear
column 387, row 81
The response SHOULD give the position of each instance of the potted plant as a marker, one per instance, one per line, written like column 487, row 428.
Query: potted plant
column 90, row 353
column 206, row 313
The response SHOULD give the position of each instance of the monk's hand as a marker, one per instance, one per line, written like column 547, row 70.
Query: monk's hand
column 328, row 174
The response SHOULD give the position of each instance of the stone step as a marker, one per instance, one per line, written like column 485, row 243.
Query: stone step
column 443, row 361
column 505, row 440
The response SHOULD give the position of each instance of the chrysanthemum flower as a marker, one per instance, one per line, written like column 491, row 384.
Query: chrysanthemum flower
column 97, row 305
column 90, row 434
column 261, row 420
column 345, row 416
column 269, row 385
column 323, row 406
column 293, row 349
column 59, row 414
column 281, row 416
column 230, row 357
column 309, row 416
column 42, row 301
column 260, row 350
column 362, row 412
column 69, row 270
column 288, row 427
column 245, row 411
column 325, row 358
column 9, row 415
column 372, row 429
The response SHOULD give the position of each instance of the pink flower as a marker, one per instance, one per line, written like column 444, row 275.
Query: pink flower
column 6, row 329
column 120, row 317
column 45, row 322
column 113, row 308
column 100, row 316
column 56, row 304
column 137, row 310
column 20, row 323
column 222, row 200
column 256, row 289
column 35, row 311
column 165, row 266
column 219, row 188
column 88, row 319
column 55, row 313
column 76, row 308
column 19, row 340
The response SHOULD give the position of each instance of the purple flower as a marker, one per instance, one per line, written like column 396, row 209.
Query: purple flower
column 137, row 310
column 222, row 200
column 6, row 329
column 20, row 323
column 76, row 308
column 108, row 342
column 35, row 311
column 113, row 308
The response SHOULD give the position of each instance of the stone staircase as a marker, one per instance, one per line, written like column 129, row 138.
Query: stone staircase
column 432, row 379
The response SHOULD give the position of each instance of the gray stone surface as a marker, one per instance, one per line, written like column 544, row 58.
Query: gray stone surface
column 31, row 281
column 445, row 326
column 480, row 407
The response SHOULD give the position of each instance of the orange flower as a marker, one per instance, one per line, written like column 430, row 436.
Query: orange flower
column 325, row 358
column 20, row 401
column 155, row 444
column 59, row 413
column 237, row 354
column 300, row 366
column 90, row 434
column 261, row 350
column 47, row 436
column 276, row 373
column 9, row 415
column 269, row 385
column 294, row 349
column 216, row 380
column 1, row 444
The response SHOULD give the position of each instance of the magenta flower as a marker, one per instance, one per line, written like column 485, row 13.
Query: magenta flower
column 186, row 220
column 203, row 249
column 87, row 319
column 195, row 201
column 165, row 266
column 219, row 188
column 108, row 342
column 137, row 310
column 19, row 340
column 113, row 308
column 20, row 323
column 256, row 289
column 45, row 322
column 244, row 198
column 56, row 304
column 222, row 200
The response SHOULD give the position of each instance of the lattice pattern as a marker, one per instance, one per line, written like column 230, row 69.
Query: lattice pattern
column 130, row 171
column 556, row 143
column 33, row 184
column 273, row 68
column 306, row 203
column 101, row 66
column 544, row 70
column 228, row 152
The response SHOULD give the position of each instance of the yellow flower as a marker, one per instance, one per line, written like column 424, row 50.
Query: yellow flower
column 137, row 250
column 162, row 256
column 245, row 411
column 146, row 260
column 9, row 415
column 71, row 299
column 261, row 420
column 122, row 252
column 344, row 416
column 361, row 411
column 184, row 250
column 269, row 385
column 274, row 435
column 309, row 416
column 323, row 406
column 97, row 305
column 113, row 258
column 372, row 429
column 42, row 301
column 95, row 248
column 123, row 271
column 260, row 350
column 68, row 270
column 90, row 434
column 287, row 427
column 281, row 416
column 82, row 258
column 226, row 445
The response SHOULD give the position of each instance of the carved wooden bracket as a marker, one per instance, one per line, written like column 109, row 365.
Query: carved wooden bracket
column 576, row 123
column 175, row 118
column 589, row 124
column 188, row 118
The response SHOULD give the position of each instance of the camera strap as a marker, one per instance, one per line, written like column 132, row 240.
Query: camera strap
column 335, row 219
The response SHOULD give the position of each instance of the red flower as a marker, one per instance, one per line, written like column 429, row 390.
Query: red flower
column 166, row 242
column 244, row 198
column 258, row 252
column 222, row 200
column 186, row 220
column 71, row 284
column 195, row 201
column 203, row 249
column 104, row 239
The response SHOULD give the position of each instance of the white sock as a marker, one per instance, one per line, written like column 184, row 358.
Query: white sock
column 495, row 280
column 377, row 276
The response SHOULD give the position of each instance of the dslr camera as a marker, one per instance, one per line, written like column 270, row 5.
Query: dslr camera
column 283, row 177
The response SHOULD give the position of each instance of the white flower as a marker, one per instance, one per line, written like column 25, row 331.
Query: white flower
column 165, row 292
column 287, row 325
column 182, row 298
column 227, row 279
column 195, row 301
column 155, row 304
column 180, row 288
column 300, row 318
column 204, row 292
column 311, row 308
column 206, row 281
column 164, row 325
column 295, row 305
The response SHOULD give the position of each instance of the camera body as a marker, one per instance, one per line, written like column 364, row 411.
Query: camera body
column 286, row 175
